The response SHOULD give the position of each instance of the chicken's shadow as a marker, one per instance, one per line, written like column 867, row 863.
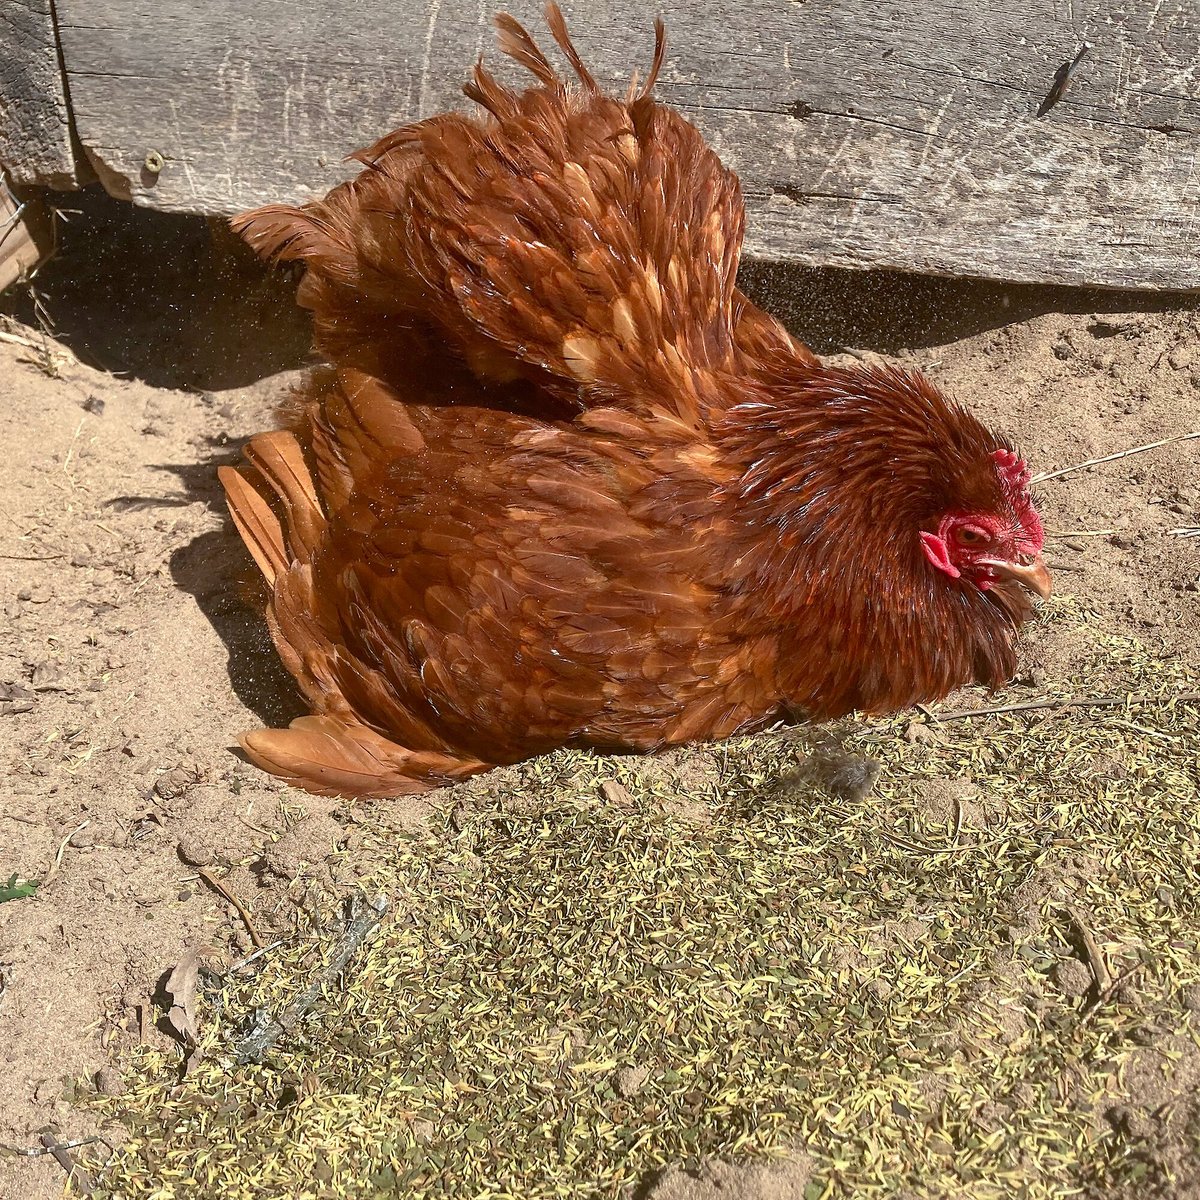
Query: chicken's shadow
column 218, row 573
column 216, row 570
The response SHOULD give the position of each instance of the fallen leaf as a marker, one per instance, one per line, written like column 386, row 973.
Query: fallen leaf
column 14, row 890
column 181, row 988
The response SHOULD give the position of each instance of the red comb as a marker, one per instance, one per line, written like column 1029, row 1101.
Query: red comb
column 1012, row 469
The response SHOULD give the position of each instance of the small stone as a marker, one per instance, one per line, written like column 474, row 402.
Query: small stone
column 177, row 781
column 1111, row 325
column 616, row 794
column 422, row 1130
column 630, row 1080
column 880, row 989
column 920, row 734
column 82, row 839
column 109, row 1082
column 1182, row 356
column 1072, row 977
column 94, row 405
column 196, row 853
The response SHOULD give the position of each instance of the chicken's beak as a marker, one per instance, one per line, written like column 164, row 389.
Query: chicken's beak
column 1032, row 575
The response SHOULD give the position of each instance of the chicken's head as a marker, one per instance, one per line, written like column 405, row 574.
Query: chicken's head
column 990, row 547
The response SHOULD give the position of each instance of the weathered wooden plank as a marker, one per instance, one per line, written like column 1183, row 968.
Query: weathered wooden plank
column 899, row 134
column 35, row 126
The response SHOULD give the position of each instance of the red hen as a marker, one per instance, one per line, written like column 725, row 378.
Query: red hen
column 563, row 484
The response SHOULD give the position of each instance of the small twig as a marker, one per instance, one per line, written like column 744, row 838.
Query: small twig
column 17, row 340
column 361, row 919
column 1063, row 702
column 1069, row 533
column 1103, row 997
column 1094, row 462
column 43, row 1150
column 15, row 216
column 245, row 962
column 32, row 557
column 218, row 887
column 256, row 828
column 62, row 849
column 76, row 1175
column 920, row 848
column 1095, row 957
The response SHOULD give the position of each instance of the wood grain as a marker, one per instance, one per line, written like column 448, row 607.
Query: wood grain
column 900, row 135
column 35, row 127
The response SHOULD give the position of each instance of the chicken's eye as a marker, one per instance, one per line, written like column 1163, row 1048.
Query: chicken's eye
column 968, row 535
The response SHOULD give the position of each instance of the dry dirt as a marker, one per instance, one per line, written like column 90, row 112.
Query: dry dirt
column 130, row 659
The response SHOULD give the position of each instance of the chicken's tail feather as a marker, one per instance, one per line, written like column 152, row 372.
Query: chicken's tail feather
column 582, row 248
column 256, row 521
column 515, row 41
column 287, row 233
column 278, row 473
column 334, row 757
column 660, row 54
column 560, row 33
column 280, row 462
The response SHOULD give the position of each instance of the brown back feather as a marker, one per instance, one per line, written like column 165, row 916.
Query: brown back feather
column 585, row 245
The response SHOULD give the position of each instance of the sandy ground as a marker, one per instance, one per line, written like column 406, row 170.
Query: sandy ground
column 130, row 659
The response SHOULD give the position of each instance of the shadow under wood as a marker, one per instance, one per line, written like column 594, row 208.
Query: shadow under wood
column 887, row 311
column 179, row 301
column 176, row 301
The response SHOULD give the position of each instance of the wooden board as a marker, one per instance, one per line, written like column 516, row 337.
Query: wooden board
column 895, row 134
column 35, row 126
